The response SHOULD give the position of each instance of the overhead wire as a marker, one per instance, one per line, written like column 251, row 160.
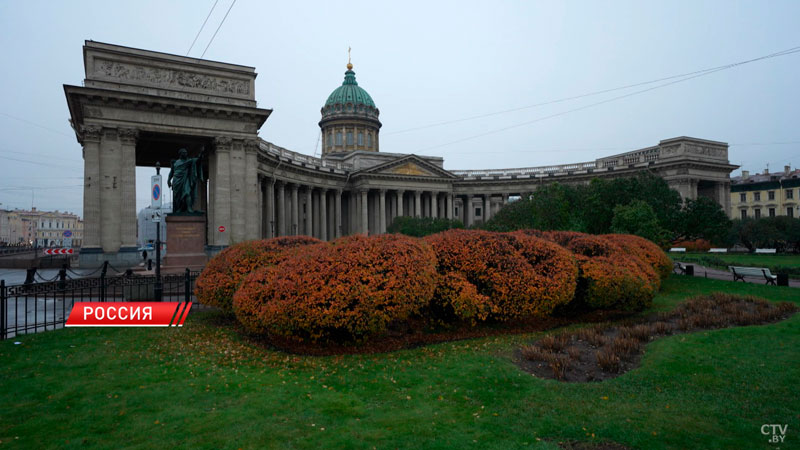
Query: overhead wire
column 591, row 105
column 217, row 30
column 202, row 26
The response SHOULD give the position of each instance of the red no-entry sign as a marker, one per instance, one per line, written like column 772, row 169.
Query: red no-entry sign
column 221, row 229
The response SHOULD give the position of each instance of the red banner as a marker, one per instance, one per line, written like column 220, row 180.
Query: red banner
column 128, row 314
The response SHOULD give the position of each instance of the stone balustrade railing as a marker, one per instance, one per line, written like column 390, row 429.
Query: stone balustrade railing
column 303, row 159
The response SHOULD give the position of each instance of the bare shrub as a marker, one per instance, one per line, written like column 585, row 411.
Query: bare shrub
column 608, row 360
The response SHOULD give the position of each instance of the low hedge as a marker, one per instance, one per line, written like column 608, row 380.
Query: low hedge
column 358, row 286
column 352, row 288
column 499, row 276
column 222, row 276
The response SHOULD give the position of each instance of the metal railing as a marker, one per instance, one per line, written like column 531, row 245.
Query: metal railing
column 35, row 307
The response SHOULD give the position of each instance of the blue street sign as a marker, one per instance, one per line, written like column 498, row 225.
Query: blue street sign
column 68, row 233
column 155, row 191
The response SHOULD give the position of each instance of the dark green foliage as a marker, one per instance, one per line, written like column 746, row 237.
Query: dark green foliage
column 551, row 207
column 637, row 218
column 703, row 219
column 590, row 208
column 422, row 226
column 781, row 233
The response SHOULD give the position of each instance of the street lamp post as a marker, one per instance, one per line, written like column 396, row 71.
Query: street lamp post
column 158, row 289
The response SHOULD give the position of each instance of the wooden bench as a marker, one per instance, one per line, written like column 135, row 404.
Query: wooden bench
column 679, row 268
column 740, row 272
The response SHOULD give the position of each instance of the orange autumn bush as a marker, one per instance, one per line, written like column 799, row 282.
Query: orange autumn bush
column 609, row 276
column 222, row 275
column 696, row 245
column 645, row 250
column 498, row 276
column 350, row 289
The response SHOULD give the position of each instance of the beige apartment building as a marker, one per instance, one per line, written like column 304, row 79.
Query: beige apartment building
column 40, row 228
column 765, row 194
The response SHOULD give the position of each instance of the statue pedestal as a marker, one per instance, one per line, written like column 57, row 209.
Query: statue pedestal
column 186, row 240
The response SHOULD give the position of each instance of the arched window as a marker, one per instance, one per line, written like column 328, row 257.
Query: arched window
column 349, row 138
column 330, row 139
column 369, row 140
column 339, row 138
column 360, row 139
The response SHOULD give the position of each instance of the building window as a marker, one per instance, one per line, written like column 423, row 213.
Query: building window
column 757, row 196
column 369, row 140
column 339, row 138
column 790, row 211
column 360, row 139
column 456, row 213
column 349, row 138
column 758, row 213
column 789, row 193
column 330, row 140
column 744, row 214
column 477, row 212
column 771, row 195
column 772, row 212
column 742, row 197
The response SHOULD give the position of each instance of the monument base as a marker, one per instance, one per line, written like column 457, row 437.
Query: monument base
column 186, row 240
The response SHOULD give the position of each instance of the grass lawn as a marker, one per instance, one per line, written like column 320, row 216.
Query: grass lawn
column 201, row 386
column 776, row 263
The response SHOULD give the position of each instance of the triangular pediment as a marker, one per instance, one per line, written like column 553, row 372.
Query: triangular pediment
column 410, row 165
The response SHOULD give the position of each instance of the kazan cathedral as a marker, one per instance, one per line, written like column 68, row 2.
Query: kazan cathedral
column 138, row 107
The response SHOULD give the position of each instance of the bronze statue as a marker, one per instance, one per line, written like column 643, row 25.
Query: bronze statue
column 184, row 175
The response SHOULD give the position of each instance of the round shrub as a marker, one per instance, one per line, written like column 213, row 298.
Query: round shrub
column 505, row 283
column 646, row 250
column 224, row 272
column 352, row 288
column 609, row 276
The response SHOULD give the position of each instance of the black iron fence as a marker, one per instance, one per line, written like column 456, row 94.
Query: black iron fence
column 37, row 306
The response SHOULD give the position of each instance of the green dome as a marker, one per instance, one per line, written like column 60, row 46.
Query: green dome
column 349, row 92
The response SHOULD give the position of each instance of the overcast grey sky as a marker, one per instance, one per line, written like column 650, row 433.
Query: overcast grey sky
column 425, row 63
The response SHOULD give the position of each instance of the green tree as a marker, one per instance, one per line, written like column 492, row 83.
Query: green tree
column 637, row 218
column 703, row 218
column 422, row 226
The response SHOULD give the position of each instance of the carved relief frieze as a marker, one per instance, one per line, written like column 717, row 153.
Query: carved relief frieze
column 707, row 151
column 169, row 78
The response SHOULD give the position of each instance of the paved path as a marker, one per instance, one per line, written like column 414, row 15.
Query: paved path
column 718, row 274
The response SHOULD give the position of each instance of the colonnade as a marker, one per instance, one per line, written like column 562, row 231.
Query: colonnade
column 289, row 208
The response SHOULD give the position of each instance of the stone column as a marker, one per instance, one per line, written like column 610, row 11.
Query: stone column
column 238, row 177
column 364, row 211
column 434, row 204
column 309, row 213
column 295, row 218
column 127, row 139
column 251, row 190
column 448, row 200
column 221, row 177
column 470, row 211
column 505, row 199
column 281, row 209
column 382, row 211
column 487, row 207
column 111, row 189
column 270, row 204
column 354, row 218
column 323, row 214
column 91, row 188
column 417, row 203
column 337, row 219
column 400, row 194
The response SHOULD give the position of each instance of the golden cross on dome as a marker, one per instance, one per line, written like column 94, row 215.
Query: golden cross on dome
column 349, row 64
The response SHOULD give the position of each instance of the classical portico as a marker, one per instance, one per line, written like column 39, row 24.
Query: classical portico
column 138, row 107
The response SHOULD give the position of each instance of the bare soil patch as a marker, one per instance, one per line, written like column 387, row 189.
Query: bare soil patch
column 601, row 352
